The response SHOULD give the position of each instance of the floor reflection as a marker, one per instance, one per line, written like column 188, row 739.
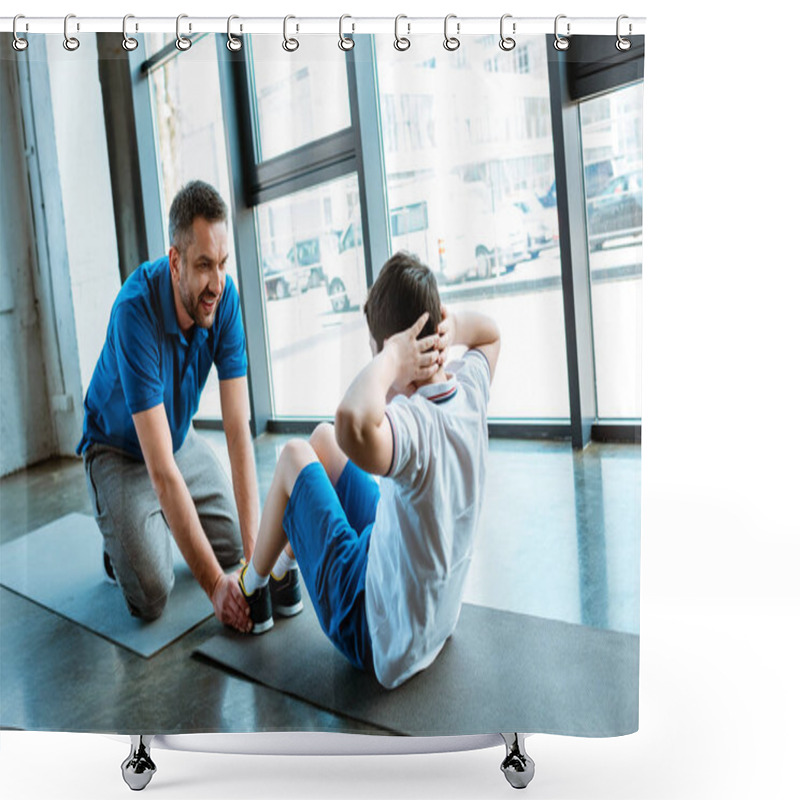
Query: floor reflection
column 559, row 535
column 559, row 538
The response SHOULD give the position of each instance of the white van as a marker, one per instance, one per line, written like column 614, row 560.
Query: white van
column 453, row 227
column 455, row 232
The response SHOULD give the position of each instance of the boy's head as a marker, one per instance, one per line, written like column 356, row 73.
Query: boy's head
column 404, row 291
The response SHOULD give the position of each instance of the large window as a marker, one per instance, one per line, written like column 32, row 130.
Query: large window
column 469, row 163
column 448, row 155
column 308, row 225
column 190, row 139
column 611, row 131
column 299, row 97
column 312, row 262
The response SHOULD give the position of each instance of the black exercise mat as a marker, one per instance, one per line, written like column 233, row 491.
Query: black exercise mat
column 500, row 671
column 60, row 567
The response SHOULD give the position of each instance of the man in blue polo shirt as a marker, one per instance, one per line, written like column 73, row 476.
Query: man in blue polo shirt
column 150, row 476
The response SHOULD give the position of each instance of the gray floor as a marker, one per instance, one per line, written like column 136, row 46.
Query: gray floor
column 559, row 539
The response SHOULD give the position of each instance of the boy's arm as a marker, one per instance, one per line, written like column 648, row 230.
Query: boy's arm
column 362, row 429
column 475, row 330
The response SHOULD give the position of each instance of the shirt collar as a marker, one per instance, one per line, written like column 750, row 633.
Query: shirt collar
column 168, row 313
column 440, row 392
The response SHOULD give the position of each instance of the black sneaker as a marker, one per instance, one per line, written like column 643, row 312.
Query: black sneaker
column 285, row 593
column 260, row 607
column 108, row 570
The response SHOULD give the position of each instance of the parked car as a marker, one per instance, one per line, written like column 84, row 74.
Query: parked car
column 301, row 269
column 541, row 225
column 310, row 254
column 617, row 211
column 454, row 227
column 596, row 176
column 281, row 278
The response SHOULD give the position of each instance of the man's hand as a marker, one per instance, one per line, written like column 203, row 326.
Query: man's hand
column 415, row 360
column 230, row 606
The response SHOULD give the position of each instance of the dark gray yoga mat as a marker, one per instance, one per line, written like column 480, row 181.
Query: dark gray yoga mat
column 500, row 671
column 60, row 567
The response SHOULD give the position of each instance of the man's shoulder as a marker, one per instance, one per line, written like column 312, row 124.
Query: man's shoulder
column 139, row 297
column 144, row 281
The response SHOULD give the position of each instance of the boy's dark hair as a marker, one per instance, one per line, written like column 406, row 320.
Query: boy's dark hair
column 404, row 291
column 195, row 199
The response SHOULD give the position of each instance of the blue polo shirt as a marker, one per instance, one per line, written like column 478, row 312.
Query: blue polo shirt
column 147, row 360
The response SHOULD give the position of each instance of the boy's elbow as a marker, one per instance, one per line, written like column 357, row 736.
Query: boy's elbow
column 345, row 426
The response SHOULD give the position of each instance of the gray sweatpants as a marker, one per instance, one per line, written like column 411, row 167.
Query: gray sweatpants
column 135, row 532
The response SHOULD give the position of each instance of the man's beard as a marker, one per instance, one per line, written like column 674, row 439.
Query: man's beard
column 193, row 308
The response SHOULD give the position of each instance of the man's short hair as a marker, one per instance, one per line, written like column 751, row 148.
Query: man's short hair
column 404, row 291
column 195, row 199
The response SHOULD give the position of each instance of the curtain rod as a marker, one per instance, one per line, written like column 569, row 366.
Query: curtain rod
column 630, row 26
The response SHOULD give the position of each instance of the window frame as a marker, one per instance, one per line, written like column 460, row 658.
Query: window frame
column 594, row 67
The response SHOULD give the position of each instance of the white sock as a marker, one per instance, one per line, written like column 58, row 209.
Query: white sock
column 282, row 565
column 251, row 580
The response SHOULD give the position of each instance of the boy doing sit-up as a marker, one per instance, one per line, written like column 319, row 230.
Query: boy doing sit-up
column 385, row 562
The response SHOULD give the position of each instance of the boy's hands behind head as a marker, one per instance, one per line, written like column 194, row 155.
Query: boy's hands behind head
column 447, row 332
column 415, row 360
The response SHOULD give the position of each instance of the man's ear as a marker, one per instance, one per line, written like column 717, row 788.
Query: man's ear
column 174, row 262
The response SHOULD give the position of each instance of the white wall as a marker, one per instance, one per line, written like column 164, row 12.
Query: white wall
column 86, row 193
column 59, row 271
column 26, row 432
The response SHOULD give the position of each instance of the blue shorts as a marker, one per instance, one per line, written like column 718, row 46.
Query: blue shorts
column 329, row 530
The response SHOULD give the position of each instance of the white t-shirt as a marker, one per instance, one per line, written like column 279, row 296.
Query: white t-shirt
column 421, row 543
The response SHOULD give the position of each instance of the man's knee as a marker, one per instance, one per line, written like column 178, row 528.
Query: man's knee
column 144, row 569
column 148, row 600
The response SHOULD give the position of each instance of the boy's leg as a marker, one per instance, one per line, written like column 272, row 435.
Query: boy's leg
column 295, row 456
column 357, row 490
column 332, row 557
column 323, row 441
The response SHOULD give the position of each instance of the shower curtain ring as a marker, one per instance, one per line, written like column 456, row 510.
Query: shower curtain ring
column 181, row 42
column 346, row 44
column 561, row 42
column 451, row 42
column 401, row 42
column 70, row 42
column 288, row 44
column 128, row 42
column 623, row 44
column 18, row 43
column 507, row 42
column 234, row 43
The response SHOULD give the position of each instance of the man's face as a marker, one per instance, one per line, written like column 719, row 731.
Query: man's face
column 198, row 273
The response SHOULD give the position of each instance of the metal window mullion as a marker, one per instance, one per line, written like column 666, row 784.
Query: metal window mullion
column 308, row 158
column 167, row 53
column 238, row 146
column 573, row 241
column 120, row 118
column 150, row 181
column 303, row 179
column 362, row 81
